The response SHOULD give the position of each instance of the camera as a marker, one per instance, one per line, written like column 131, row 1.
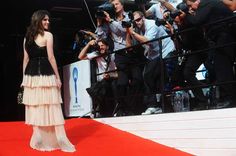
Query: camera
column 128, row 24
column 180, row 7
column 183, row 7
column 173, row 14
column 95, row 47
column 160, row 22
column 168, row 19
column 108, row 7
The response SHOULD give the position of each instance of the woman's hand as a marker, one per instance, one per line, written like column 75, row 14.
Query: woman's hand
column 21, row 85
column 58, row 81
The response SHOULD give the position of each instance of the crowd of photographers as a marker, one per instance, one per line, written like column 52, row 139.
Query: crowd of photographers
column 133, row 76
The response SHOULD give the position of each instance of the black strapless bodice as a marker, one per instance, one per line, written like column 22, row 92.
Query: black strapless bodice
column 38, row 61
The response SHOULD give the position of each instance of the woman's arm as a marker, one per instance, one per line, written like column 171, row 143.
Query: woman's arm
column 26, row 57
column 51, row 58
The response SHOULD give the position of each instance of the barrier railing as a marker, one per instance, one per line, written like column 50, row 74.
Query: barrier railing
column 163, row 92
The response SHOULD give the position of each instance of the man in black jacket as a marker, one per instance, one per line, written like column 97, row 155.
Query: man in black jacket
column 205, row 13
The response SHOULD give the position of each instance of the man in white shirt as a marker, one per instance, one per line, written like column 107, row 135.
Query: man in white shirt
column 105, row 63
column 147, row 30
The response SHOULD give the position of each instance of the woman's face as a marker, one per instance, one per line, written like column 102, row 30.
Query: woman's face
column 45, row 22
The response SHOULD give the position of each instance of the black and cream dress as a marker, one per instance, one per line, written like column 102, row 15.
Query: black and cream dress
column 42, row 100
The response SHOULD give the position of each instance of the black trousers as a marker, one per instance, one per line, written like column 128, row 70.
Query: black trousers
column 192, row 63
column 106, row 104
column 152, row 81
column 223, row 64
column 129, row 82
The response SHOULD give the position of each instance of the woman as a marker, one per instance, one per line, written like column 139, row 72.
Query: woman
column 41, row 82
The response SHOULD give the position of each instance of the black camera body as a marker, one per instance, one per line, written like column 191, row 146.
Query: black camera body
column 180, row 7
column 108, row 7
column 173, row 14
column 95, row 47
column 168, row 19
column 128, row 24
column 183, row 7
column 160, row 22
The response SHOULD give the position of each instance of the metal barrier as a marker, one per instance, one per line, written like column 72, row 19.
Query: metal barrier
column 166, row 92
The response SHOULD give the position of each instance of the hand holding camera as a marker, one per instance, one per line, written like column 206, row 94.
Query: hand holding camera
column 129, row 23
column 92, row 43
column 181, row 11
column 104, row 9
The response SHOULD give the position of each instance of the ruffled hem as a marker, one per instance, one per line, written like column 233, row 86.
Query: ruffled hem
column 44, row 115
column 39, row 81
column 49, row 138
column 42, row 96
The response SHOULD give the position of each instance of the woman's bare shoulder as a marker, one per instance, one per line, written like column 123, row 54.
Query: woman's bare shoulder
column 48, row 34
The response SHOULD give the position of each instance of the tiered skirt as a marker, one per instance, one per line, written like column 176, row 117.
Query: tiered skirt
column 42, row 99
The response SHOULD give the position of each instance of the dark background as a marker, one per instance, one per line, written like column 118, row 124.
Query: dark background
column 67, row 17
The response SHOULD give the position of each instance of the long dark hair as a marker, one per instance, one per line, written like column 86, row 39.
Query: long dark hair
column 35, row 26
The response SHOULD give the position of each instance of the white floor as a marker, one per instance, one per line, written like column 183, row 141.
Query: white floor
column 202, row 133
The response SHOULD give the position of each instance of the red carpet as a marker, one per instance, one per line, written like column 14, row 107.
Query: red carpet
column 90, row 137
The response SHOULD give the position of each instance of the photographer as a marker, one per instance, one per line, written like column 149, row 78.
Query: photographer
column 129, row 79
column 103, row 30
column 204, row 13
column 105, row 63
column 189, row 41
column 169, row 16
column 148, row 30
